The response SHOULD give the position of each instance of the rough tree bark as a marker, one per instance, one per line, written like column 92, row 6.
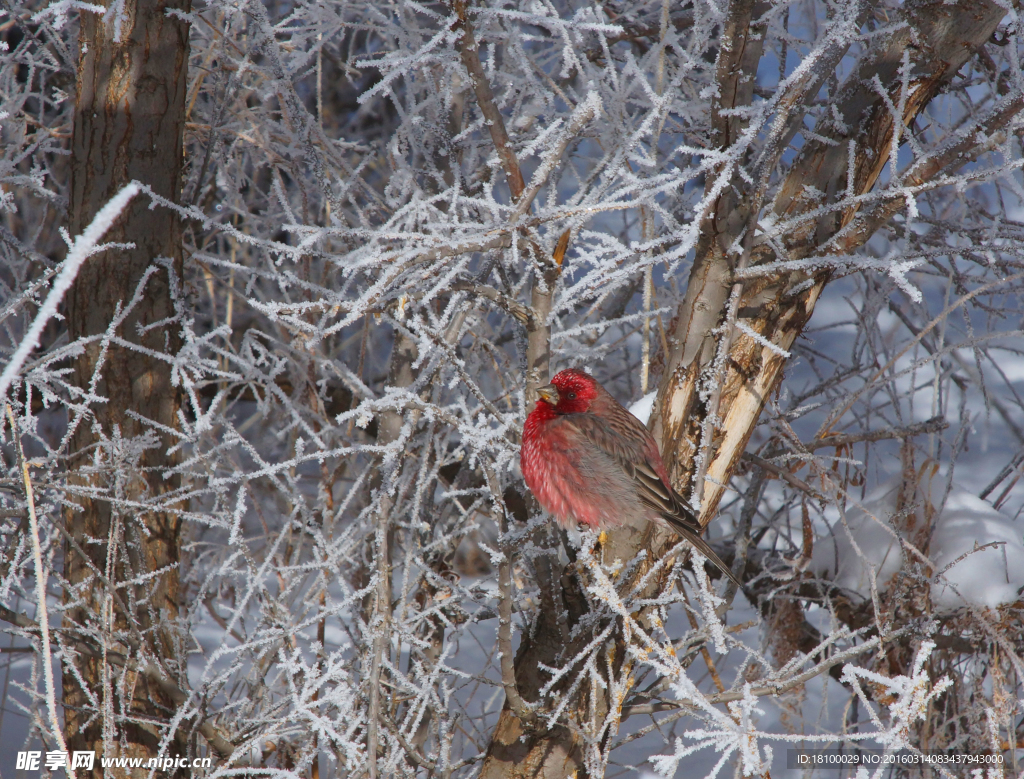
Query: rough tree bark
column 939, row 39
column 129, row 120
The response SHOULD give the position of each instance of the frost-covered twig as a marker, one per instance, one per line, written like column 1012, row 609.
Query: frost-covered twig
column 585, row 112
column 83, row 247
column 522, row 313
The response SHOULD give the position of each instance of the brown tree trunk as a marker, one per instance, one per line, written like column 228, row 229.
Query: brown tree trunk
column 940, row 39
column 128, row 126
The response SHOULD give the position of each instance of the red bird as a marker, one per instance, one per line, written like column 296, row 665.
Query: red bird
column 589, row 461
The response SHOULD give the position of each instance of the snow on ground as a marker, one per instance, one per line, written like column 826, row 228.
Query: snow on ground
column 962, row 523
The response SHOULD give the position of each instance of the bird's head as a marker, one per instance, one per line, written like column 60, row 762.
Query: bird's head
column 570, row 392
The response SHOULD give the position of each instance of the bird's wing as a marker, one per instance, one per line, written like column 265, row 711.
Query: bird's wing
column 619, row 435
column 610, row 440
column 623, row 438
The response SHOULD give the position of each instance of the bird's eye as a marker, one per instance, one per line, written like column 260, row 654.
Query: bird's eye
column 571, row 395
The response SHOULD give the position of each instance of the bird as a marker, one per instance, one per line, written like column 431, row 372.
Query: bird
column 589, row 461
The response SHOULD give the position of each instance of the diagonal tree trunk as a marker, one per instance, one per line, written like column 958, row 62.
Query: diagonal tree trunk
column 767, row 305
column 128, row 126
column 939, row 39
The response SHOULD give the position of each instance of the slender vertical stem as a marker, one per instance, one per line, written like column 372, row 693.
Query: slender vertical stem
column 648, row 218
column 391, row 423
column 538, row 349
column 379, row 627
column 320, row 84
column 321, row 626
column 505, row 660
column 645, row 347
column 41, row 576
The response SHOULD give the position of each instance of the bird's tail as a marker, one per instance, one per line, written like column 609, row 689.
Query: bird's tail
column 702, row 546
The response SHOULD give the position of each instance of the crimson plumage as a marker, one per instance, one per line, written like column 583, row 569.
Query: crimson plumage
column 589, row 461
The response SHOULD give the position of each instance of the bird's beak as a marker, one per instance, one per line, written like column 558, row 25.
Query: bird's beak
column 549, row 394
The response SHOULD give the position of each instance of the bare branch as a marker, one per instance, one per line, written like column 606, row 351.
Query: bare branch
column 469, row 50
column 785, row 475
